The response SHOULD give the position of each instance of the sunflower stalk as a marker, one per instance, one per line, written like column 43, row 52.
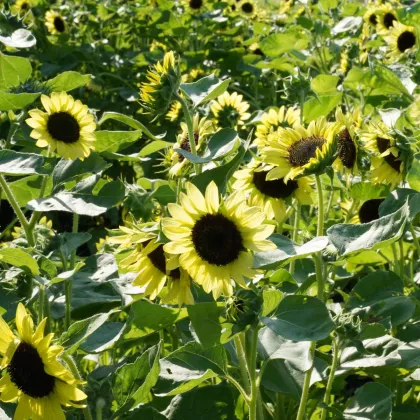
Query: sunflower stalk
column 255, row 407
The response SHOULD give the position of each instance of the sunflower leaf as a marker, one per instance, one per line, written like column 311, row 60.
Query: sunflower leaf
column 13, row 70
column 16, row 101
column 17, row 163
column 19, row 258
column 69, row 80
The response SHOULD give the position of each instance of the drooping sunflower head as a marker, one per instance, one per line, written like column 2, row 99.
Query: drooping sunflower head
column 299, row 151
column 247, row 8
column 386, row 18
column 230, row 110
column 32, row 373
column 270, row 196
column 272, row 120
column 66, row 127
column 402, row 40
column 158, row 93
column 213, row 237
column 202, row 128
column 387, row 167
column 54, row 22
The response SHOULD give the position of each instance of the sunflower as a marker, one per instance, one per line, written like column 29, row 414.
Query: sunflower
column 247, row 8
column 32, row 375
column 371, row 15
column 386, row 166
column 299, row 151
column 386, row 18
column 270, row 196
column 179, row 290
column 214, row 239
column 67, row 126
column 367, row 212
column 202, row 128
column 22, row 6
column 194, row 5
column 229, row 110
column 54, row 22
column 401, row 40
column 347, row 147
column 159, row 92
column 272, row 120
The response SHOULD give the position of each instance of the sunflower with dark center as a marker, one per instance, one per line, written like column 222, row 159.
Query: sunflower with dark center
column 54, row 22
column 386, row 18
column 32, row 376
column 22, row 6
column 401, row 40
column 273, row 119
column 371, row 16
column 202, row 129
column 299, row 151
column 386, row 165
column 230, row 110
column 214, row 238
column 270, row 196
column 369, row 210
column 196, row 4
column 67, row 127
column 247, row 8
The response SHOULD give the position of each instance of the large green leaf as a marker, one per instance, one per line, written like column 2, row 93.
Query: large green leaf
column 134, row 381
column 277, row 44
column 18, row 164
column 26, row 189
column 69, row 80
column 325, row 84
column 413, row 176
column 320, row 106
column 19, row 258
column 16, row 101
column 13, row 70
column 301, row 318
column 103, row 338
column 70, row 241
column 113, row 141
column 205, row 89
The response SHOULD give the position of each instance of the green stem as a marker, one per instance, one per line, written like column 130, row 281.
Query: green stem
column 306, row 385
column 401, row 249
column 41, row 294
column 334, row 365
column 242, row 361
column 75, row 371
column 400, row 393
column 191, row 137
column 37, row 214
column 100, row 404
column 295, row 233
column 252, row 371
column 280, row 412
column 75, row 230
column 238, row 386
column 320, row 228
column 68, row 286
column 22, row 219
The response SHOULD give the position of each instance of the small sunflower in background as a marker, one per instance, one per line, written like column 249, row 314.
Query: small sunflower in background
column 347, row 145
column 247, row 8
column 159, row 92
column 300, row 151
column 194, row 5
column 401, row 40
column 272, row 120
column 22, row 6
column 270, row 196
column 386, row 165
column 368, row 211
column 230, row 110
column 174, row 113
column 214, row 238
column 67, row 127
column 202, row 128
column 54, row 22
column 32, row 374
column 371, row 16
column 386, row 18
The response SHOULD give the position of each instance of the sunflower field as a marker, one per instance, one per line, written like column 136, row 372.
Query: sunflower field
column 210, row 210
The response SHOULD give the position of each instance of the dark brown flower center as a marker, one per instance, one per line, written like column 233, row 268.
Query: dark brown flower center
column 185, row 145
column 373, row 19
column 391, row 160
column 346, row 149
column 369, row 211
column 276, row 188
column 406, row 41
column 304, row 149
column 158, row 259
column 389, row 19
column 216, row 239
column 59, row 24
column 196, row 4
column 247, row 7
column 27, row 372
column 63, row 127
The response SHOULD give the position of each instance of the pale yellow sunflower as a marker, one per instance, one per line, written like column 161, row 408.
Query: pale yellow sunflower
column 67, row 126
column 402, row 40
column 33, row 376
column 22, row 6
column 386, row 18
column 174, row 113
column 54, row 22
column 230, row 110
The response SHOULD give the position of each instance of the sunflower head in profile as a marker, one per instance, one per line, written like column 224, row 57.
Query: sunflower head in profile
column 402, row 40
column 66, row 126
column 230, row 110
column 247, row 8
column 387, row 167
column 386, row 18
column 299, row 151
column 54, row 22
column 214, row 238
column 161, row 88
column 347, row 145
column 272, row 120
column 32, row 374
column 174, row 113
column 202, row 128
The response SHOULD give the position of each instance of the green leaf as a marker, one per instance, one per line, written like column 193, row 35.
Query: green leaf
column 16, row 101
column 79, row 331
column 113, row 141
column 288, row 250
column 348, row 238
column 82, row 203
column 220, row 145
column 19, row 258
column 324, row 84
column 69, row 242
column 26, row 189
column 205, row 320
column 277, row 44
column 372, row 401
column 67, row 81
column 413, row 176
column 142, row 412
column 154, row 147
column 103, row 338
column 386, row 78
column 364, row 191
column 410, row 355
column 18, row 164
column 396, row 200
column 21, row 38
column 188, row 366
column 320, row 106
column 205, row 89
column 301, row 318
column 134, row 381
column 164, row 194
column 13, row 71
column 271, row 299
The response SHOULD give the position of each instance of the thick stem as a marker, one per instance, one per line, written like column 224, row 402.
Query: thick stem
column 280, row 413
column 334, row 365
column 68, row 286
column 22, row 219
column 320, row 228
column 41, row 294
column 295, row 233
column 401, row 249
column 100, row 404
column 252, row 371
column 75, row 371
column 306, row 385
column 75, row 230
column 242, row 361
